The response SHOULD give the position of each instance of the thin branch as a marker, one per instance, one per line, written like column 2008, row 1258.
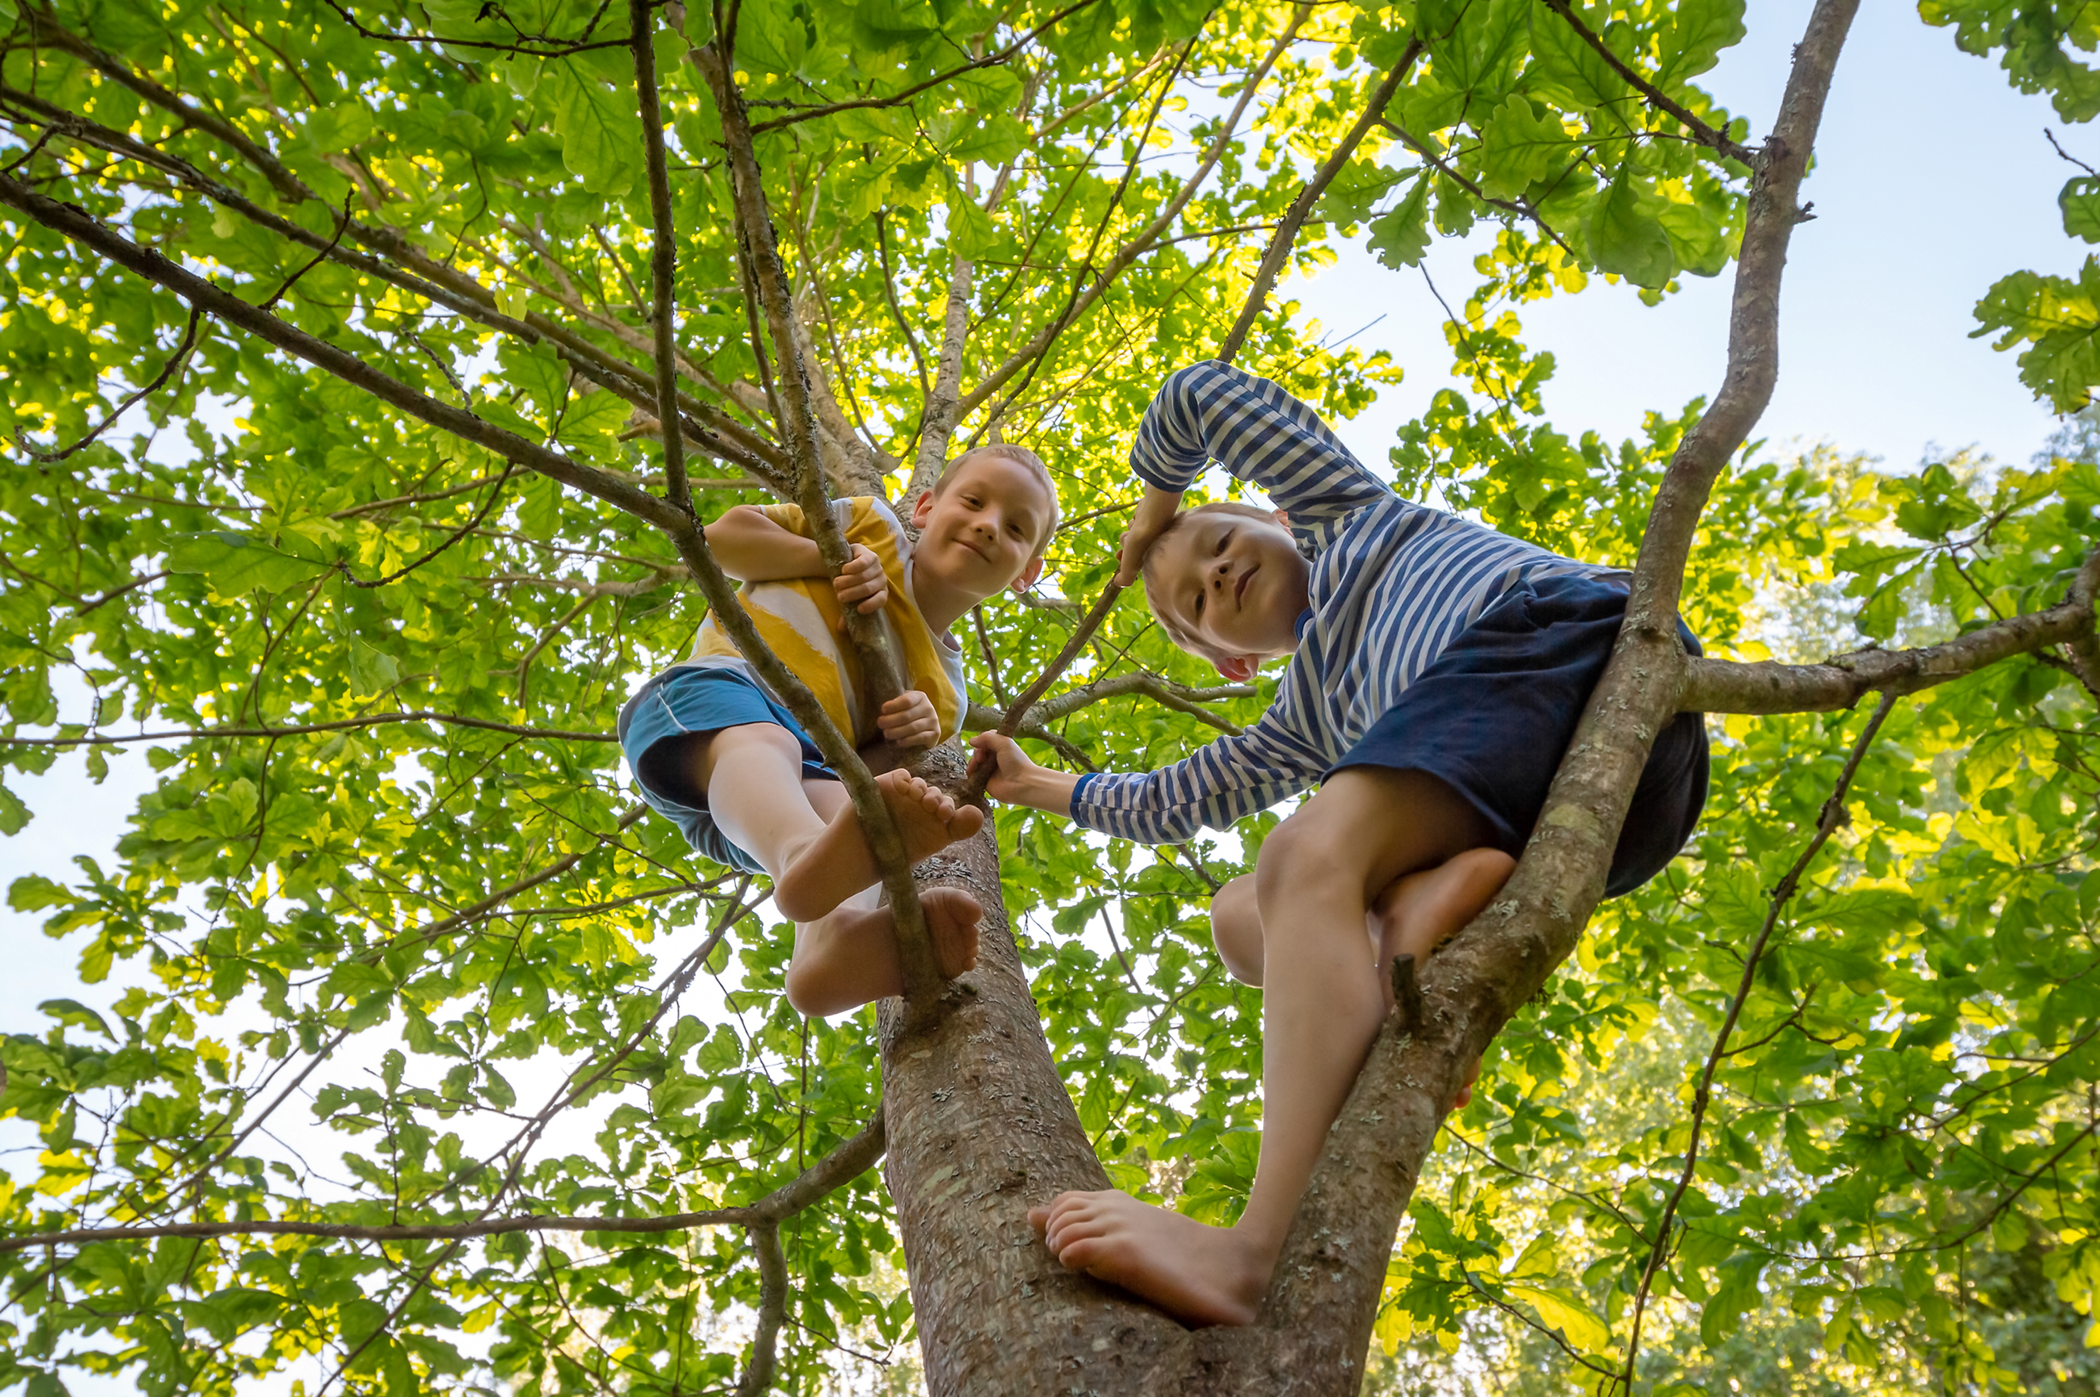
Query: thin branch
column 1831, row 818
column 167, row 371
column 1701, row 132
column 1083, row 300
column 772, row 1308
column 851, row 1159
column 300, row 730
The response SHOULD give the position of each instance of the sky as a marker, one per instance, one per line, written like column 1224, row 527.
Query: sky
column 1933, row 180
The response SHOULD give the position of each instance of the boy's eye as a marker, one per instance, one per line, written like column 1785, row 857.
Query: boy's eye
column 1223, row 539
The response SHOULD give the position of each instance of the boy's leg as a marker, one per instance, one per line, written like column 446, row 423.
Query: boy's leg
column 849, row 957
column 752, row 774
column 1322, row 1004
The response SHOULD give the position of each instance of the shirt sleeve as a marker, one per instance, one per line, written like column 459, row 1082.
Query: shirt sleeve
column 1214, row 412
column 1217, row 785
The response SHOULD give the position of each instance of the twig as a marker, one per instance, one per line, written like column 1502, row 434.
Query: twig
column 167, row 370
column 1279, row 249
column 895, row 99
column 1701, row 132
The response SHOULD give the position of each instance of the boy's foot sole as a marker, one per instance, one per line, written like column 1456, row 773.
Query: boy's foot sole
column 1200, row 1275
column 838, row 863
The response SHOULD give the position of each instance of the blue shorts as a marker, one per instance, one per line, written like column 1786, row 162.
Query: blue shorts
column 1493, row 714
column 695, row 701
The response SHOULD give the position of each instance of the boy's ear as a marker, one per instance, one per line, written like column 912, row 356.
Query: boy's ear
column 1238, row 668
column 1282, row 517
column 921, row 507
column 1028, row 576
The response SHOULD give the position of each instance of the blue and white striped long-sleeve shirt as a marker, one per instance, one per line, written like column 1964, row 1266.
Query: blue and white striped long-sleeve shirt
column 1392, row 583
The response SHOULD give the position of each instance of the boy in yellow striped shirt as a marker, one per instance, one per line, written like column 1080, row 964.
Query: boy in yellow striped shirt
column 717, row 752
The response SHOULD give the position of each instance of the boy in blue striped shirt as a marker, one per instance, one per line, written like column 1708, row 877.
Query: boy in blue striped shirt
column 1437, row 671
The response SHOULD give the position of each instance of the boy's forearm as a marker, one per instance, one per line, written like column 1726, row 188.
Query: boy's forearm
column 752, row 548
column 1047, row 790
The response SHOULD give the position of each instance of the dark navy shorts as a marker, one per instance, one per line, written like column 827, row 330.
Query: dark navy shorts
column 699, row 700
column 1494, row 713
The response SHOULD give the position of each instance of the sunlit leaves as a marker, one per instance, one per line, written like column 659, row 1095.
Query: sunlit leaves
column 2056, row 319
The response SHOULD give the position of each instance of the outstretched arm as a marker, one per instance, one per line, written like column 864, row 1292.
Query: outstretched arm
column 1217, row 785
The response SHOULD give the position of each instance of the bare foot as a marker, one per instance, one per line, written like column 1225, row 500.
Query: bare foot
column 1419, row 912
column 1196, row 1273
column 849, row 958
column 837, row 863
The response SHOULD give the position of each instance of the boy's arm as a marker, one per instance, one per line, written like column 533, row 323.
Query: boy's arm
column 752, row 546
column 1219, row 784
column 1259, row 432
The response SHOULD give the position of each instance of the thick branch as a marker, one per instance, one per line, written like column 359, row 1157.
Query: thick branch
column 760, row 255
column 851, row 1159
column 1279, row 249
column 88, row 231
column 1717, row 686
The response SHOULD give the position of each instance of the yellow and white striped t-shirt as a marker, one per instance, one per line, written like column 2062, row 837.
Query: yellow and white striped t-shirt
column 801, row 619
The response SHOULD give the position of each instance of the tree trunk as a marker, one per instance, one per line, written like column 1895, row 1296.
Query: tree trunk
column 980, row 1130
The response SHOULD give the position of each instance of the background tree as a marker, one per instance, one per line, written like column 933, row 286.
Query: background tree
column 453, row 321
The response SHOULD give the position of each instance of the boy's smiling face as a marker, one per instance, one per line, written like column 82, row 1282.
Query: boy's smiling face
column 1230, row 587
column 981, row 531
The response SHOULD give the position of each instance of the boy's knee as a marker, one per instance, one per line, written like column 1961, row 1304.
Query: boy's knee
column 1301, row 852
column 1235, row 929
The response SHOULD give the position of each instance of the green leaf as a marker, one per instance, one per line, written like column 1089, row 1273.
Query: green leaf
column 372, row 670
column 1698, row 31
column 1518, row 147
column 1697, row 238
column 235, row 564
column 339, row 127
column 2080, row 202
column 33, row 893
column 601, row 138
column 72, row 1011
column 770, row 37
column 1401, row 237
column 1625, row 235
column 1564, row 1310
column 2057, row 318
